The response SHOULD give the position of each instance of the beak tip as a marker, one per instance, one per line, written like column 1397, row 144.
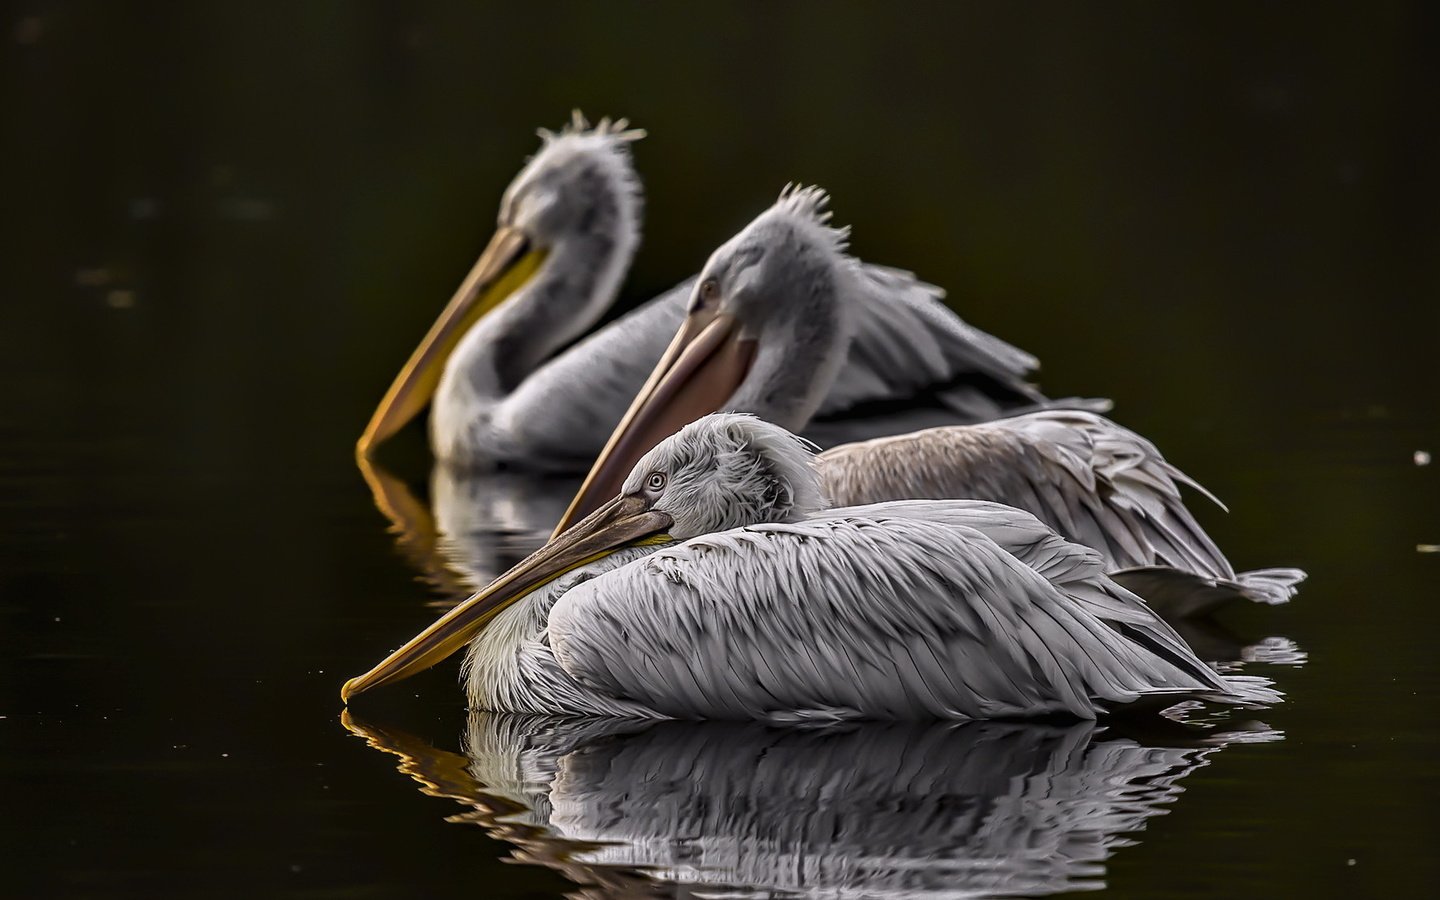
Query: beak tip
column 347, row 691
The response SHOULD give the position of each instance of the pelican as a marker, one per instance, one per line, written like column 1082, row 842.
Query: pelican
column 876, row 809
column 568, row 227
column 718, row 585
column 765, row 333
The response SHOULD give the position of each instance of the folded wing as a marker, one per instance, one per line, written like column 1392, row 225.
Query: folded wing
column 878, row 613
column 908, row 342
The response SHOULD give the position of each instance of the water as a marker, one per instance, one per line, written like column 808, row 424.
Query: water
column 225, row 230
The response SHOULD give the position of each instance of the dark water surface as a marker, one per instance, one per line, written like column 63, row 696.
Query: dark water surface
column 225, row 230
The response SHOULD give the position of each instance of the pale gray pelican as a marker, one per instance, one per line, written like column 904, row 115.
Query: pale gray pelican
column 874, row 809
column 569, row 225
column 765, row 333
column 718, row 585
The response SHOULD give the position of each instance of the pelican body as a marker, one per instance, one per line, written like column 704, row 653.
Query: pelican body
column 717, row 585
column 502, row 390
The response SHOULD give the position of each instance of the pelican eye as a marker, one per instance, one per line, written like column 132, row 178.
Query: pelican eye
column 655, row 481
column 709, row 290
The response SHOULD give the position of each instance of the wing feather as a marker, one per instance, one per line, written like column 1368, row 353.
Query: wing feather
column 884, row 612
column 1093, row 481
column 908, row 341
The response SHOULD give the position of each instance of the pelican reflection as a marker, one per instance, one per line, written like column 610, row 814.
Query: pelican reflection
column 475, row 525
column 873, row 809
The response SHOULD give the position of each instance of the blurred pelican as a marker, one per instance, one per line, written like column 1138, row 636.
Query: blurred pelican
column 875, row 809
column 569, row 225
column 757, row 602
column 766, row 333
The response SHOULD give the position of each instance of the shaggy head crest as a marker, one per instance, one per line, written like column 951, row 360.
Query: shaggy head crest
column 810, row 207
column 581, row 174
column 607, row 145
column 579, row 126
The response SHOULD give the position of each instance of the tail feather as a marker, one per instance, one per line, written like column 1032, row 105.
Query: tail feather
column 1176, row 594
column 1272, row 586
column 1247, row 690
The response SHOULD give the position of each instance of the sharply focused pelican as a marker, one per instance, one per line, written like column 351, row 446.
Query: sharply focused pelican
column 718, row 585
column 569, row 225
column 765, row 333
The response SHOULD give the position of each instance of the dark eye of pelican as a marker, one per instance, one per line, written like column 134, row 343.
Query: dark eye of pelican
column 709, row 290
column 655, row 482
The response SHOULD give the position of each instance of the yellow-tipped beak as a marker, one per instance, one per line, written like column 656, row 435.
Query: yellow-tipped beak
column 701, row 370
column 507, row 263
column 622, row 522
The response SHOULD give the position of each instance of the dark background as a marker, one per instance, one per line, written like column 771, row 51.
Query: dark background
column 225, row 226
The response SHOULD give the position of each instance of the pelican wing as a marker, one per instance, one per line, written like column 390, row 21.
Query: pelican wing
column 1091, row 480
column 907, row 342
column 886, row 611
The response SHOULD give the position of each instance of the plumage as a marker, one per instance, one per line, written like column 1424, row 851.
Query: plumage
column 873, row 612
column 515, row 390
column 1093, row 481
column 719, row 586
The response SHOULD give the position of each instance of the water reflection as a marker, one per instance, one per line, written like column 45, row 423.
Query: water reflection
column 492, row 520
column 879, row 809
column 1219, row 644
column 477, row 525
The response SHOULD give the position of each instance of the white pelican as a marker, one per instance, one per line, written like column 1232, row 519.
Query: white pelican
column 569, row 225
column 717, row 585
column 765, row 333
column 875, row 809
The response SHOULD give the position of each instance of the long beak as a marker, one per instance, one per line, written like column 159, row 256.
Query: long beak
column 507, row 263
column 622, row 522
column 701, row 370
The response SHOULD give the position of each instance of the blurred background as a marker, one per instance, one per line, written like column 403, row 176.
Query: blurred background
column 226, row 226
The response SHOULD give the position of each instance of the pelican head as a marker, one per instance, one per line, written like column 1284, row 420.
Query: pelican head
column 580, row 187
column 766, row 332
column 567, row 229
column 723, row 471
